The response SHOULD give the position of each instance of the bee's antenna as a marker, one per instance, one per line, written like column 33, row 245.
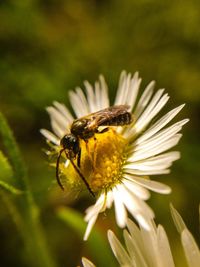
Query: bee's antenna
column 57, row 169
column 83, row 178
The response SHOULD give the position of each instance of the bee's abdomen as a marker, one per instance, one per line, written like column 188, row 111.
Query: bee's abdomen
column 120, row 120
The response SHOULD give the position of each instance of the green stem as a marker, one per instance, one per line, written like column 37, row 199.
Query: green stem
column 32, row 232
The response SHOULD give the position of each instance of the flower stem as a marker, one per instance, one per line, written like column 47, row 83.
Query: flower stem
column 26, row 210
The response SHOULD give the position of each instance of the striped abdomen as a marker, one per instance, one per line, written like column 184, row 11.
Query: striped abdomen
column 118, row 120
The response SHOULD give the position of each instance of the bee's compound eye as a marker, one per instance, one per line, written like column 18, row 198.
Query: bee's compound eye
column 69, row 141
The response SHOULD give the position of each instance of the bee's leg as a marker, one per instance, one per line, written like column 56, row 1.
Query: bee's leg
column 95, row 145
column 82, row 177
column 103, row 131
column 89, row 154
column 79, row 159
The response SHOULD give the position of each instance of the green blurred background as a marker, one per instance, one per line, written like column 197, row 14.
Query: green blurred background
column 50, row 46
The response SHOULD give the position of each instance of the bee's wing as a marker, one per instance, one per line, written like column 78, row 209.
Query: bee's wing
column 110, row 115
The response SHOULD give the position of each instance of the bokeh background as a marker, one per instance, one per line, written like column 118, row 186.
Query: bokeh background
column 48, row 47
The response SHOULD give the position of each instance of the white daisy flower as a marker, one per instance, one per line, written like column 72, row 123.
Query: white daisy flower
column 117, row 164
column 151, row 248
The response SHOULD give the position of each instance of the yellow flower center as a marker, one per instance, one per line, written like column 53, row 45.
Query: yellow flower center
column 102, row 159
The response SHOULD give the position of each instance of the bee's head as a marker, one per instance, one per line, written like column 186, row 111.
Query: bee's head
column 71, row 143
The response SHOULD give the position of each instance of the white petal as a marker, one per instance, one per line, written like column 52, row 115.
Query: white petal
column 135, row 233
column 159, row 124
column 151, row 111
column 87, row 263
column 152, row 185
column 109, row 199
column 96, row 208
column 59, row 123
column 98, row 98
column 137, row 255
column 58, row 117
column 138, row 190
column 90, row 97
column 150, row 246
column 160, row 137
column 164, row 248
column 92, row 213
column 133, row 91
column 127, row 89
column 50, row 136
column 104, row 93
column 138, row 208
column 118, row 250
column 156, row 150
column 79, row 103
column 143, row 222
column 121, row 91
column 144, row 99
column 158, row 162
column 90, row 226
column 64, row 110
column 191, row 249
column 178, row 221
column 163, row 160
column 120, row 211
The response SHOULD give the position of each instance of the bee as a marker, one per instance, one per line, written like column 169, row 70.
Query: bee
column 85, row 128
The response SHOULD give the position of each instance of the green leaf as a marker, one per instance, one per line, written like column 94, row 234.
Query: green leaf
column 10, row 188
column 98, row 246
column 13, row 152
column 6, row 170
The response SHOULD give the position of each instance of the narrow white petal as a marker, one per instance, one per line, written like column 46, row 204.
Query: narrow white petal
column 58, row 118
column 57, row 129
column 158, row 162
column 83, row 100
column 150, row 246
column 109, row 199
column 135, row 233
column 137, row 207
column 160, row 137
column 80, row 108
column 90, row 97
column 137, row 255
column 159, row 124
column 164, row 248
column 133, row 91
column 152, row 185
column 96, row 208
column 178, row 221
column 122, row 88
column 97, row 95
column 146, row 172
column 118, row 250
column 151, row 111
column 138, row 190
column 50, row 136
column 191, row 249
column 87, row 263
column 120, row 211
column 156, row 150
column 104, row 93
column 64, row 110
column 90, row 226
column 143, row 221
column 144, row 99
